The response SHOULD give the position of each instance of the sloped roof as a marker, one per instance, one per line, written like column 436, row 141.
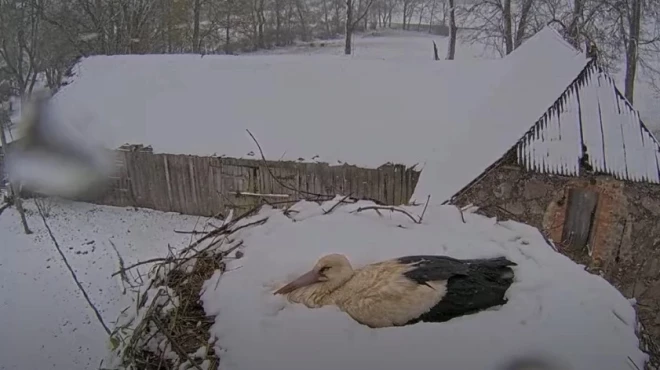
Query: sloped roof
column 594, row 122
column 538, row 72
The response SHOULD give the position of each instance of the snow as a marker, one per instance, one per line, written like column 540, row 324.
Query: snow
column 367, row 109
column 555, row 307
column 545, row 65
column 360, row 110
column 45, row 321
column 615, row 141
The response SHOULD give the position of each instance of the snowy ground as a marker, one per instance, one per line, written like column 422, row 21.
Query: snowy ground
column 386, row 44
column 555, row 309
column 45, row 321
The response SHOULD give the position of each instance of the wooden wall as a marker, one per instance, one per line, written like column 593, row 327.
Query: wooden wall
column 207, row 186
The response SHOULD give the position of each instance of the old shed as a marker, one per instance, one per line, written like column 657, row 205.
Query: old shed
column 587, row 174
column 327, row 124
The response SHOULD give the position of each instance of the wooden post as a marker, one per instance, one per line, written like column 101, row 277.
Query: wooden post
column 580, row 213
column 16, row 195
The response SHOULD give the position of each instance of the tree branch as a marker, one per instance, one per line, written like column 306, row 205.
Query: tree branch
column 73, row 274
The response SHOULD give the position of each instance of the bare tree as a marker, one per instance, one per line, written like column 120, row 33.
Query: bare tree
column 632, row 40
column 352, row 22
column 20, row 43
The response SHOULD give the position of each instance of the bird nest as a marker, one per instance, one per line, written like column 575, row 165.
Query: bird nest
column 650, row 346
column 167, row 328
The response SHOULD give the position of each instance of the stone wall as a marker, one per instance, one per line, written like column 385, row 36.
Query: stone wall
column 624, row 246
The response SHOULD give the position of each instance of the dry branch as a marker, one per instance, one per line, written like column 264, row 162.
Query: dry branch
column 428, row 199
column 124, row 276
column 270, row 172
column 460, row 210
column 391, row 209
column 222, row 229
column 342, row 201
column 194, row 232
column 73, row 274
column 174, row 343
column 249, row 194
column 140, row 263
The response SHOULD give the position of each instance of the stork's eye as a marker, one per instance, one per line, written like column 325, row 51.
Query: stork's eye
column 324, row 269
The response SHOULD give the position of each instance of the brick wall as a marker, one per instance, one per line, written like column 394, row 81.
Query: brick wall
column 625, row 238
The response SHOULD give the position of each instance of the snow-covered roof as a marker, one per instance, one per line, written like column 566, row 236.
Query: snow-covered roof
column 592, row 118
column 537, row 73
column 326, row 108
column 454, row 117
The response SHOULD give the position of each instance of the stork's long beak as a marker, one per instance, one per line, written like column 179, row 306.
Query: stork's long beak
column 308, row 278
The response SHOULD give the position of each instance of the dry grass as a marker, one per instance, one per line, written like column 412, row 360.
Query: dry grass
column 187, row 324
column 650, row 347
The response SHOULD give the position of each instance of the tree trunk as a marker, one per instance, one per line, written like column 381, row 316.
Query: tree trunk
column 411, row 12
column 303, row 24
column 522, row 23
column 419, row 21
column 228, row 29
column 573, row 30
column 278, row 23
column 326, row 19
column 405, row 13
column 451, row 48
column 337, row 16
column 632, row 48
column 433, row 6
column 349, row 27
column 16, row 195
column 197, row 11
column 508, row 31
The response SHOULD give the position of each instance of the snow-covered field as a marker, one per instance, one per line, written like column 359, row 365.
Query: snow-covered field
column 555, row 309
column 45, row 321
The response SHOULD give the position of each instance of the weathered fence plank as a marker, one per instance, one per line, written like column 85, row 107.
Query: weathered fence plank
column 208, row 186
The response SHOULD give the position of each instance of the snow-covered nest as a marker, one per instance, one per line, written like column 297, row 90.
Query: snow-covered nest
column 556, row 309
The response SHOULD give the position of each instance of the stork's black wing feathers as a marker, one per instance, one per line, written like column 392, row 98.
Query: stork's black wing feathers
column 472, row 285
column 433, row 268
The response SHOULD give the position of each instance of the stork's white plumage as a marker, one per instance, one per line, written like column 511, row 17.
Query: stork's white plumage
column 404, row 290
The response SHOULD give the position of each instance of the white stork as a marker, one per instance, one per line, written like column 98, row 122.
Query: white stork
column 404, row 290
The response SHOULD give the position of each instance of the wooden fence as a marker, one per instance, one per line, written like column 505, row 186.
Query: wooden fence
column 207, row 186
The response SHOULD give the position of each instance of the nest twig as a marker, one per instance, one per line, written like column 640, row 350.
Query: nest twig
column 178, row 326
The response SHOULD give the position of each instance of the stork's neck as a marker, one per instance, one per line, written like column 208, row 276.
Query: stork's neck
column 320, row 294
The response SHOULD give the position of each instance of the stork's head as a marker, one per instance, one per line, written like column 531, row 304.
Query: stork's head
column 329, row 273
